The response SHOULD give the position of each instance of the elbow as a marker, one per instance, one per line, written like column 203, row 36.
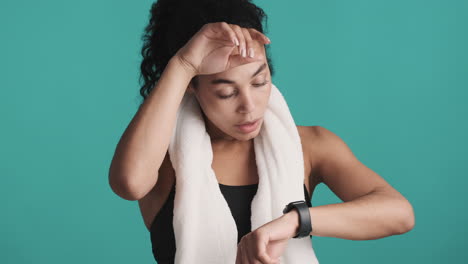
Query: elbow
column 407, row 221
column 122, row 186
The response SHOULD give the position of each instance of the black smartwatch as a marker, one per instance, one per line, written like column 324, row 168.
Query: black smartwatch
column 305, row 224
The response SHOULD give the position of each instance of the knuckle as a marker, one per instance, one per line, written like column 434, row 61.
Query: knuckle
column 246, row 33
column 262, row 257
column 258, row 233
column 236, row 27
column 207, row 26
column 242, row 240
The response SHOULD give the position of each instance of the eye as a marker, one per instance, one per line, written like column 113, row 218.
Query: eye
column 260, row 84
column 224, row 96
column 255, row 85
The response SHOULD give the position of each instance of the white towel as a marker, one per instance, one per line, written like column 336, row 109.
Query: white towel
column 204, row 228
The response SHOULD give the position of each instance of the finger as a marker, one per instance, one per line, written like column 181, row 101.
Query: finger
column 237, row 60
column 229, row 32
column 249, row 251
column 249, row 43
column 238, row 255
column 241, row 38
column 243, row 255
column 261, row 246
column 259, row 35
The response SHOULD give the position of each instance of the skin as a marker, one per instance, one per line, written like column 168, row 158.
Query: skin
column 371, row 208
column 249, row 96
column 248, row 101
column 361, row 189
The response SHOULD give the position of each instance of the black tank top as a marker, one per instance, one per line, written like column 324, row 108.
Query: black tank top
column 239, row 199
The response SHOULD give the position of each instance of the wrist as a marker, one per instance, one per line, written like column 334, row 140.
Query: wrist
column 292, row 220
column 184, row 64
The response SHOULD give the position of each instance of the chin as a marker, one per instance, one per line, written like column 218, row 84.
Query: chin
column 247, row 136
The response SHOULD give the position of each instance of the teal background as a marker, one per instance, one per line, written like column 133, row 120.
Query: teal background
column 389, row 77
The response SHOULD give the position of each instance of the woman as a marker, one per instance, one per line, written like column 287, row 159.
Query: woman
column 217, row 50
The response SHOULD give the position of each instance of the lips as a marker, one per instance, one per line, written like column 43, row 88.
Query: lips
column 248, row 123
column 248, row 128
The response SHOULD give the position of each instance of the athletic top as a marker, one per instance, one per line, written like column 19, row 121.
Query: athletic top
column 239, row 199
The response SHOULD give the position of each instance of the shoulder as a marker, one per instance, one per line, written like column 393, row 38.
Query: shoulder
column 308, row 131
column 309, row 138
column 318, row 137
column 338, row 167
column 319, row 143
column 310, row 135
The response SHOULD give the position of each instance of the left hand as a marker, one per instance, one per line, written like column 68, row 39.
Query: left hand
column 266, row 244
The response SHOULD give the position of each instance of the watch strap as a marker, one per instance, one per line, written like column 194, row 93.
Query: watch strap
column 305, row 224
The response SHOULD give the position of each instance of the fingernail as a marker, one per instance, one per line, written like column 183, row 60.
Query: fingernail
column 251, row 52
column 237, row 41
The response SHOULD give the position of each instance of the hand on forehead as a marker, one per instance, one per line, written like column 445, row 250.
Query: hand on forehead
column 240, row 63
column 257, row 45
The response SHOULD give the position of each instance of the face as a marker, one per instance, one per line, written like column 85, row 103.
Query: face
column 232, row 97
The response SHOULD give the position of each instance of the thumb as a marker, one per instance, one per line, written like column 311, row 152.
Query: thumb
column 263, row 254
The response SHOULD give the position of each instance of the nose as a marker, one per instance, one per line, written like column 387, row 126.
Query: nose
column 247, row 103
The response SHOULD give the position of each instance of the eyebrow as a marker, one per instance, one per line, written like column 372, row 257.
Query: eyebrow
column 218, row 81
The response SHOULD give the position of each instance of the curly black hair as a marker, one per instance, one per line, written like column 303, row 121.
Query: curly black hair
column 173, row 22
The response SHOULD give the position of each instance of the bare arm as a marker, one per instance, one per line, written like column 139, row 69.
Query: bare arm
column 143, row 145
column 375, row 215
column 371, row 207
